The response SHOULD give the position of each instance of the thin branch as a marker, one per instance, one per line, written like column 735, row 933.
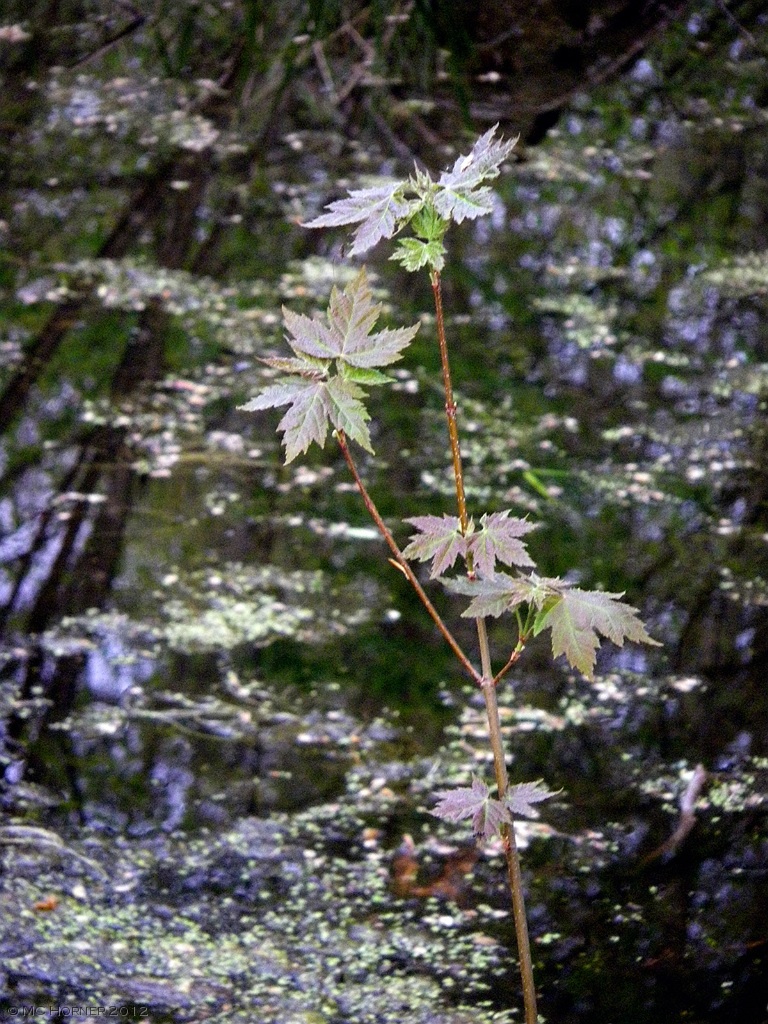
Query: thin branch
column 513, row 659
column 450, row 404
column 687, row 818
column 736, row 23
column 401, row 562
column 132, row 26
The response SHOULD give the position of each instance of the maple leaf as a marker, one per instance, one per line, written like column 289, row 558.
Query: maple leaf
column 498, row 539
column 519, row 798
column 577, row 616
column 378, row 209
column 314, row 405
column 352, row 315
column 461, row 195
column 500, row 592
column 440, row 539
column 473, row 802
column 317, row 398
column 428, row 205
column 414, row 253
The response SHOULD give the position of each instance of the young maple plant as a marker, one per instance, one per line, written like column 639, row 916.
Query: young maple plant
column 323, row 385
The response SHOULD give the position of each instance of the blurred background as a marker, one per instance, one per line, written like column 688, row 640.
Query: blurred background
column 222, row 714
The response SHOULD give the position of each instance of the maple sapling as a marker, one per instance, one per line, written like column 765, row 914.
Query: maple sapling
column 323, row 385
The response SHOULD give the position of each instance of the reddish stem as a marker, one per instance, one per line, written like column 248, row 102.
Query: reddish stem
column 401, row 562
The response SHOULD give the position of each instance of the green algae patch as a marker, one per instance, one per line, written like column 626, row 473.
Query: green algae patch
column 248, row 925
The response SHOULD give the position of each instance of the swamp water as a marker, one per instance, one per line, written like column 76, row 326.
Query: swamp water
column 224, row 714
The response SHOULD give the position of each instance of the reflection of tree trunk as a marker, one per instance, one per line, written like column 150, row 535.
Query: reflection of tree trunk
column 74, row 582
column 92, row 541
column 156, row 205
column 142, row 207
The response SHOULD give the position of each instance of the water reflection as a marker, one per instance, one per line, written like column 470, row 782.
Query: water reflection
column 198, row 638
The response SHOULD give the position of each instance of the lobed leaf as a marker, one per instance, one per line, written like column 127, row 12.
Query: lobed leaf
column 473, row 802
column 348, row 335
column 273, row 396
column 440, row 540
column 414, row 253
column 306, row 419
column 461, row 194
column 378, row 209
column 497, row 539
column 314, row 405
column 519, row 798
column 382, row 210
column 500, row 592
column 458, row 205
column 347, row 412
column 576, row 617
column 316, row 398
column 482, row 162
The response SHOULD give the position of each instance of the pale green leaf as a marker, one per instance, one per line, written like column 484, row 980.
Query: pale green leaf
column 348, row 334
column 413, row 254
column 579, row 616
column 347, row 412
column 371, row 378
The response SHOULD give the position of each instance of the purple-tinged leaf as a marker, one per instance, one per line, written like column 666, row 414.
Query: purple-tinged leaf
column 461, row 802
column 440, row 540
column 314, row 406
column 576, row 617
column 352, row 315
column 474, row 802
column 377, row 209
column 520, row 797
column 461, row 194
column 499, row 593
column 308, row 335
column 306, row 419
column 273, row 396
column 488, row 819
column 497, row 539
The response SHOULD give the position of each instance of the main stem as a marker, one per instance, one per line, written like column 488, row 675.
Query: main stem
column 488, row 684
